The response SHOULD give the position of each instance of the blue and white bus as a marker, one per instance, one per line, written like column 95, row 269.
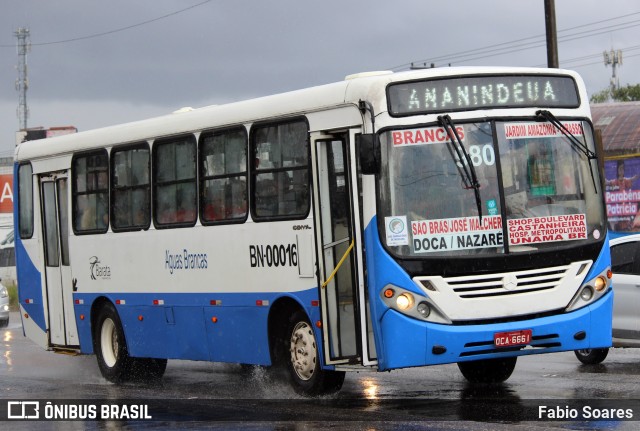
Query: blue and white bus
column 390, row 220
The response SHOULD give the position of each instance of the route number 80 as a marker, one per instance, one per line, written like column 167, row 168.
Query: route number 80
column 480, row 155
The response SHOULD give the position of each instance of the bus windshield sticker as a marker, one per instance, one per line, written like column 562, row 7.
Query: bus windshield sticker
column 535, row 230
column 456, row 234
column 396, row 227
column 540, row 130
column 423, row 136
column 492, row 207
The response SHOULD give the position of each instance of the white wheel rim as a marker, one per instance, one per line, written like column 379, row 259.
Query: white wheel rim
column 109, row 342
column 303, row 350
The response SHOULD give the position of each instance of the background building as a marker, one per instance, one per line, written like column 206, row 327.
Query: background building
column 619, row 125
column 7, row 253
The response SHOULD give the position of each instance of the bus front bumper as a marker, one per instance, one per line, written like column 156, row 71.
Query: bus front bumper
column 408, row 342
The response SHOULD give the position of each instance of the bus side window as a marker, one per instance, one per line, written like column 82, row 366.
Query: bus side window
column 280, row 170
column 131, row 188
column 223, row 176
column 90, row 186
column 25, row 199
column 174, row 182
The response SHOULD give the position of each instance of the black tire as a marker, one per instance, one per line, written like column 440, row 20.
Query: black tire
column 488, row 370
column 110, row 347
column 147, row 369
column 4, row 323
column 591, row 356
column 302, row 361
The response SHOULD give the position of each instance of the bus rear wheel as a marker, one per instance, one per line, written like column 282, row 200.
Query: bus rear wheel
column 303, row 362
column 488, row 370
column 110, row 347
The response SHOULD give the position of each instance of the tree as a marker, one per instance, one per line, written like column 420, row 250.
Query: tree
column 630, row 93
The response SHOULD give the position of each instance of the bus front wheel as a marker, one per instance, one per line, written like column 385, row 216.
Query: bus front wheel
column 591, row 356
column 303, row 362
column 488, row 370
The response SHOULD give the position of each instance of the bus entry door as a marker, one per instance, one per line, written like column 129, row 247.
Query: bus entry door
column 59, row 290
column 336, row 256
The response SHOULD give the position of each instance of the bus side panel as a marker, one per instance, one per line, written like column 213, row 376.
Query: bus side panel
column 164, row 332
column 238, row 334
column 83, row 323
column 30, row 286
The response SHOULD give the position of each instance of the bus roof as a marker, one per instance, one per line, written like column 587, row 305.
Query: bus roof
column 362, row 86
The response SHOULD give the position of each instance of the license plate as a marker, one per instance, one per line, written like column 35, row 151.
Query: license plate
column 512, row 338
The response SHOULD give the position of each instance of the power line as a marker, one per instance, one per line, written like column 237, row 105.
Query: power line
column 534, row 42
column 486, row 53
column 531, row 45
column 586, row 57
column 600, row 62
column 117, row 30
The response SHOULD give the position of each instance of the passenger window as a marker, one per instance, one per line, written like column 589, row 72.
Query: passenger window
column 280, row 174
column 223, row 176
column 130, row 188
column 25, row 199
column 622, row 258
column 174, row 167
column 91, row 192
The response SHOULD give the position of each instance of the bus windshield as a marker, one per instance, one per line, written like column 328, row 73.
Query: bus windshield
column 536, row 189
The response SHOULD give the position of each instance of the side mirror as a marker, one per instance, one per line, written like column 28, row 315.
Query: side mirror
column 368, row 153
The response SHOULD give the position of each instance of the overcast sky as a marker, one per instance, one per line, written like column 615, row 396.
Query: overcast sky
column 95, row 63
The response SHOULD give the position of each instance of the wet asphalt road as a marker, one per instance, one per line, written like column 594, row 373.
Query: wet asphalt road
column 197, row 395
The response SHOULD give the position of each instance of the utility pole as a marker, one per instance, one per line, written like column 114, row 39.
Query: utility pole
column 552, row 35
column 613, row 58
column 22, row 83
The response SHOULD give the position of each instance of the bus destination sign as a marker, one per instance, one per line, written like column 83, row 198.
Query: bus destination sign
column 482, row 92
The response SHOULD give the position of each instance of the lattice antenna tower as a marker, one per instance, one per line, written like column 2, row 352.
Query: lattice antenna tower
column 22, row 83
column 613, row 58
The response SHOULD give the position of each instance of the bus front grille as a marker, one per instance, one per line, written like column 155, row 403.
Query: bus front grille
column 505, row 295
column 510, row 284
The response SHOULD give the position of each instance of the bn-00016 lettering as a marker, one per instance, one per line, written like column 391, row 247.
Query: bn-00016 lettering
column 273, row 255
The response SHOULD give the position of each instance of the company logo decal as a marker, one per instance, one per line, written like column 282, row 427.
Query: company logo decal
column 99, row 271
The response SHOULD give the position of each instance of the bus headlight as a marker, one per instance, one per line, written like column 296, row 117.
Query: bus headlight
column 600, row 283
column 404, row 301
column 591, row 291
column 423, row 309
column 412, row 304
column 587, row 293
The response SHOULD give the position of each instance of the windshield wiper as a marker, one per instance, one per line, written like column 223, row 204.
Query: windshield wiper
column 466, row 169
column 577, row 145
